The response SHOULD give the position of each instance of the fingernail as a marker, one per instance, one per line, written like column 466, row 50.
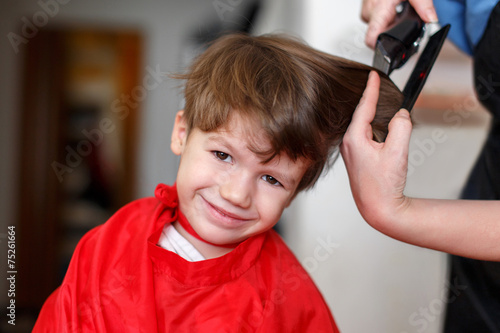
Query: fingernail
column 404, row 113
column 431, row 16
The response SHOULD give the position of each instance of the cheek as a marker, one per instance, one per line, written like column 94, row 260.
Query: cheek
column 271, row 207
column 197, row 170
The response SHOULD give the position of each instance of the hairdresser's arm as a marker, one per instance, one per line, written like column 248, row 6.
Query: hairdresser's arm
column 379, row 14
column 377, row 174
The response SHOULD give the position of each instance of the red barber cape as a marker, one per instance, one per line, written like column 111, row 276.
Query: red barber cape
column 120, row 280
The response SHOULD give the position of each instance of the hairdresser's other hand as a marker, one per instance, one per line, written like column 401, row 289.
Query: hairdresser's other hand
column 379, row 14
column 377, row 171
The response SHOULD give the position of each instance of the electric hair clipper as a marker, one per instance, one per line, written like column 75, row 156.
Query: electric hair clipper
column 395, row 46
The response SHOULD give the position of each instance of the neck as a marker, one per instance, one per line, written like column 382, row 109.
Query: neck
column 209, row 251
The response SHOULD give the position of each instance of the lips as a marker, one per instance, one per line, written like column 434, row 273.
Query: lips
column 224, row 216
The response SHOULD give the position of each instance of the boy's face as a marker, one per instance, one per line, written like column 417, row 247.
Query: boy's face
column 225, row 191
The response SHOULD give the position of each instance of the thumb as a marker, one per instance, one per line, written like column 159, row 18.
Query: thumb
column 400, row 128
column 425, row 9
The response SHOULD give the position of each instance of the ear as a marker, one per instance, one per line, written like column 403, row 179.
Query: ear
column 179, row 134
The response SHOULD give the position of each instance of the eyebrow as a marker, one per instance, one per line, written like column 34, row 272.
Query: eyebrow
column 220, row 139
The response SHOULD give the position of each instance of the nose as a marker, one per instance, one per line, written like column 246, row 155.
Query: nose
column 237, row 188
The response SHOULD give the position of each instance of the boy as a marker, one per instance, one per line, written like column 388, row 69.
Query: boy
column 263, row 116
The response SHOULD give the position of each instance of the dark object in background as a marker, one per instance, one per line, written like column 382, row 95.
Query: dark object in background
column 78, row 156
column 477, row 308
column 395, row 46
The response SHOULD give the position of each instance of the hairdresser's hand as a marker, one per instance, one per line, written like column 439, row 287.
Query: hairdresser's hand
column 379, row 14
column 377, row 171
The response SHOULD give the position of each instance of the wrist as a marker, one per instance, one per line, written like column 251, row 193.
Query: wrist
column 390, row 219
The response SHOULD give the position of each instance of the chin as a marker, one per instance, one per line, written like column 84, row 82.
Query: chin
column 218, row 238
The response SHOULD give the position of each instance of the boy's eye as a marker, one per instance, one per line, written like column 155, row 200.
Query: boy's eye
column 271, row 180
column 222, row 156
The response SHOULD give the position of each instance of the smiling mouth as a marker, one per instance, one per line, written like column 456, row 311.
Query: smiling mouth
column 225, row 214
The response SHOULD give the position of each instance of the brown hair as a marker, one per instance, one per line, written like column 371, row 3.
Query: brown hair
column 303, row 98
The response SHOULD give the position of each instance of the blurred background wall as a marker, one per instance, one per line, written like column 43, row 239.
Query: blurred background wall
column 371, row 282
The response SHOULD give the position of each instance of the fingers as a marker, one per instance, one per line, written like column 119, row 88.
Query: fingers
column 365, row 111
column 400, row 128
column 381, row 16
column 425, row 9
column 360, row 127
column 367, row 9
